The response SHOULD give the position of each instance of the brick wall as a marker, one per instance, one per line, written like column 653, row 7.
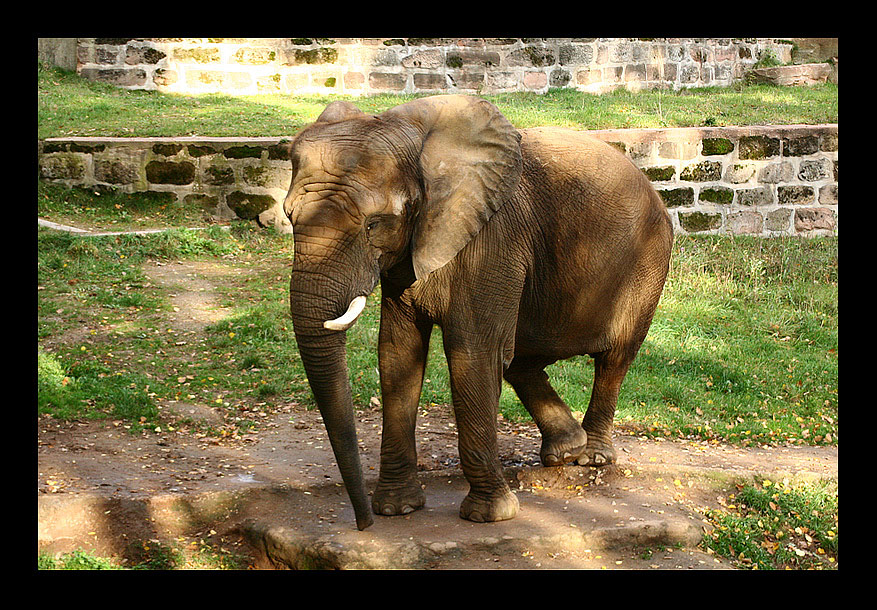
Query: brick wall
column 772, row 180
column 361, row 66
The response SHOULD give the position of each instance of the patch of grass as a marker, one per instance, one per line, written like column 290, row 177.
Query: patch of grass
column 101, row 278
column 88, row 390
column 69, row 105
column 706, row 106
column 105, row 208
column 87, row 285
column 776, row 525
column 75, row 560
column 200, row 554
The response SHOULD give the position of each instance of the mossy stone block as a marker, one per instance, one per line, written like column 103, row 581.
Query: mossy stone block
column 219, row 175
column 199, row 150
column 758, row 147
column 797, row 147
column 717, row 194
column 705, row 171
column 169, row 172
column 717, row 146
column 248, row 205
column 677, row 197
column 243, row 152
column 696, row 222
column 168, row 150
column 795, row 194
column 321, row 55
column 62, row 166
column 658, row 174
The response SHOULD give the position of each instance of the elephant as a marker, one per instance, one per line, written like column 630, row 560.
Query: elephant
column 524, row 246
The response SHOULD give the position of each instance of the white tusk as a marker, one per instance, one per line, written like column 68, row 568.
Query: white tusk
column 346, row 321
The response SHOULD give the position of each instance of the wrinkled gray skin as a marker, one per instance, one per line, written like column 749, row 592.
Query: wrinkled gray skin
column 525, row 247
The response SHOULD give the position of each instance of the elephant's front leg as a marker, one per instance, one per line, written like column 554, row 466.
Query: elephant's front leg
column 402, row 353
column 476, row 382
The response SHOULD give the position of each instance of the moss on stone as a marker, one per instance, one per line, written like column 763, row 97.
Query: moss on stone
column 198, row 150
column 256, row 175
column 199, row 55
column 660, row 173
column 717, row 194
column 168, row 150
column 218, row 175
column 53, row 147
column 798, row 147
column 62, row 166
column 620, row 146
column 539, row 57
column 695, row 222
column 795, row 194
column 115, row 171
column 705, row 171
column 279, row 151
column 87, row 148
column 169, row 172
column 677, row 197
column 248, row 205
column 322, row 55
column 416, row 42
column 243, row 152
column 717, row 146
column 758, row 147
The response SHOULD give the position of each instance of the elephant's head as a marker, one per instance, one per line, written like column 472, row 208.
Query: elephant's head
column 404, row 190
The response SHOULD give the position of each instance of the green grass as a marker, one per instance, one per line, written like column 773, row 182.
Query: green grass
column 98, row 283
column 75, row 560
column 103, row 208
column 777, row 525
column 201, row 554
column 71, row 106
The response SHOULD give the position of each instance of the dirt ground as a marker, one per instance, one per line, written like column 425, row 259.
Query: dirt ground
column 287, row 473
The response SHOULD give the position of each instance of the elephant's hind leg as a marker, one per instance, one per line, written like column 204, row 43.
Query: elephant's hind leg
column 563, row 439
column 609, row 370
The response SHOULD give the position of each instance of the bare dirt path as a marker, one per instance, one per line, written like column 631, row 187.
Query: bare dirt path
column 280, row 493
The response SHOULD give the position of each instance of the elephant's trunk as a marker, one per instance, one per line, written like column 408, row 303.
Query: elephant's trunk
column 323, row 354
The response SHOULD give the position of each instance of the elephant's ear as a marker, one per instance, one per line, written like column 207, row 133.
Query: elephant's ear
column 470, row 164
column 338, row 111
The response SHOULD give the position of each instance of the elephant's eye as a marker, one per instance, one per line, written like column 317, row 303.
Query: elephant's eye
column 371, row 224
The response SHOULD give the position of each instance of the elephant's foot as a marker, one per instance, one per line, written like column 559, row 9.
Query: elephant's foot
column 494, row 508
column 598, row 452
column 563, row 448
column 398, row 501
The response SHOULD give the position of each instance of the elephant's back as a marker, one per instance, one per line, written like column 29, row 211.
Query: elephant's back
column 566, row 154
column 574, row 175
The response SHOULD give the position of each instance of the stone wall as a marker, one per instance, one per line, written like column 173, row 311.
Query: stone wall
column 774, row 180
column 362, row 66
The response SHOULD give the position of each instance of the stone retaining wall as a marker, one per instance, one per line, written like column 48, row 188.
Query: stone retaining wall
column 362, row 66
column 772, row 180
